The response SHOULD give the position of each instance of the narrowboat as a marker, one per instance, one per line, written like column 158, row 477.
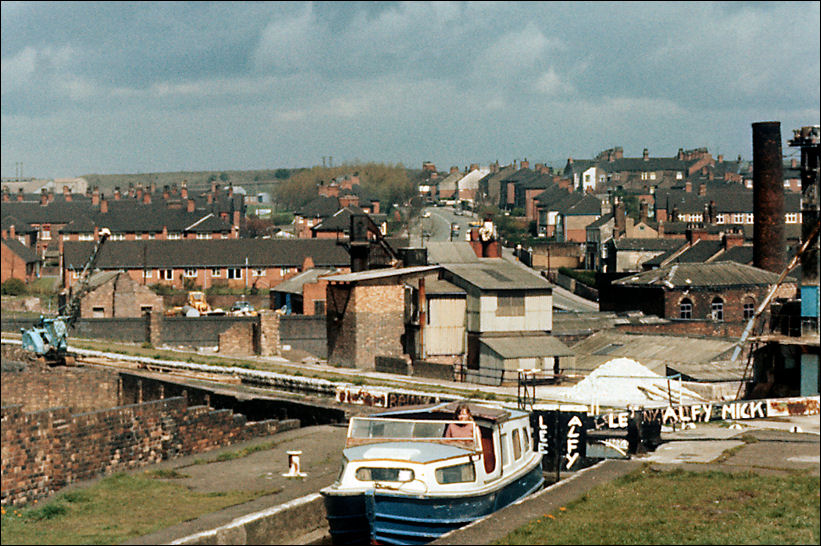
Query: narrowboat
column 404, row 481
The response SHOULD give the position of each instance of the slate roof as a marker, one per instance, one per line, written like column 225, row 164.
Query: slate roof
column 25, row 253
column 647, row 244
column 732, row 198
column 446, row 252
column 689, row 275
column 496, row 274
column 699, row 252
column 321, row 207
column 19, row 226
column 739, row 254
column 208, row 253
column 526, row 346
column 582, row 205
column 341, row 220
column 123, row 216
column 601, row 221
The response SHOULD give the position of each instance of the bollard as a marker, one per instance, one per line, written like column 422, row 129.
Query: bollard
column 293, row 465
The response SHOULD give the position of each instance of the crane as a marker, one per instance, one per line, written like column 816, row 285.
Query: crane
column 48, row 337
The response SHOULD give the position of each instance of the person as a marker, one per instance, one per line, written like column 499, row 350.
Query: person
column 464, row 429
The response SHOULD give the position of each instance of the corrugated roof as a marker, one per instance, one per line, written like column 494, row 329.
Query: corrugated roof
column 701, row 358
column 384, row 273
column 440, row 287
column 527, row 346
column 647, row 244
column 497, row 274
column 712, row 274
column 294, row 284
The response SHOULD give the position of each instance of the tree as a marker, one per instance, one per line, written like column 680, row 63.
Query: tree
column 224, row 177
column 13, row 287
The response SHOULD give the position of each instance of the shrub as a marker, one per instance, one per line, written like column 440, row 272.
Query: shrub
column 13, row 287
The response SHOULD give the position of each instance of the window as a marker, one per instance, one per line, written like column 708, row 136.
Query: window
column 257, row 272
column 719, row 218
column 285, row 270
column 166, row 274
column 189, row 272
column 505, row 455
column 234, row 273
column 85, row 237
column 146, row 309
column 173, row 236
column 460, row 473
column 150, row 236
column 46, row 233
column 98, row 312
column 216, row 272
column 652, row 176
column 319, row 307
column 511, row 304
column 738, row 218
column 679, row 175
column 748, row 218
column 792, row 218
column 203, row 235
column 376, row 474
column 717, row 309
column 685, row 309
column 517, row 446
column 117, row 237
column 749, row 308
column 147, row 274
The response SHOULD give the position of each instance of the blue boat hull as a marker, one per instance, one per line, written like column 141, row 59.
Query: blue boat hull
column 389, row 518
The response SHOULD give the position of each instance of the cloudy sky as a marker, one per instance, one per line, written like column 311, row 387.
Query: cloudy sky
column 151, row 87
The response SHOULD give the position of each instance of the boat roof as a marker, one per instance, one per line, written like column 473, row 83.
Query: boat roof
column 415, row 452
column 446, row 410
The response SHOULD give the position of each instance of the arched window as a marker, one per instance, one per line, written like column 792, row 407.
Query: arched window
column 717, row 309
column 685, row 309
column 749, row 307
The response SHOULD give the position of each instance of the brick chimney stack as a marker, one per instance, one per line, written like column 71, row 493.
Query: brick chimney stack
column 645, row 155
column 131, row 190
column 67, row 194
column 190, row 205
column 117, row 193
column 147, row 198
column 525, row 163
column 184, row 191
column 688, row 186
column 95, row 196
column 103, row 205
column 165, row 194
column 12, row 232
column 43, row 197
column 20, row 194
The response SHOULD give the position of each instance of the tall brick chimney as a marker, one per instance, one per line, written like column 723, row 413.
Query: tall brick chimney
column 103, row 205
column 147, row 198
column 525, row 164
column 769, row 244
column 95, row 196
column 117, row 193
column 190, row 205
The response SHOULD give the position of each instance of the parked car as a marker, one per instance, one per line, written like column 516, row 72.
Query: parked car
column 243, row 308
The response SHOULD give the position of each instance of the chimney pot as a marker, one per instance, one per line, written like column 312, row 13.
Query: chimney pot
column 646, row 154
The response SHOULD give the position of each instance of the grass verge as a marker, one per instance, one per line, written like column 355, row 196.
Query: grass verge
column 117, row 508
column 684, row 507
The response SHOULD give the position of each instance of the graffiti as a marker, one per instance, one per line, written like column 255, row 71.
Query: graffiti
column 743, row 410
column 410, row 399
column 704, row 413
column 361, row 397
column 381, row 398
column 572, row 452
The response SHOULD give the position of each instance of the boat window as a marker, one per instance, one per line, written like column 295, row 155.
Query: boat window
column 517, row 446
column 525, row 440
column 505, row 456
column 460, row 473
column 396, row 428
column 376, row 474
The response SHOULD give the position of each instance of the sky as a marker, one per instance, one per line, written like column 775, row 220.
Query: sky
column 119, row 87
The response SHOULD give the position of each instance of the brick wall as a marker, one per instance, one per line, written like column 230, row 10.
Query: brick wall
column 371, row 326
column 80, row 389
column 237, row 340
column 46, row 450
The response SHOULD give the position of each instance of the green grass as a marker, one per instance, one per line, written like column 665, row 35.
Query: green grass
column 117, row 508
column 682, row 507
